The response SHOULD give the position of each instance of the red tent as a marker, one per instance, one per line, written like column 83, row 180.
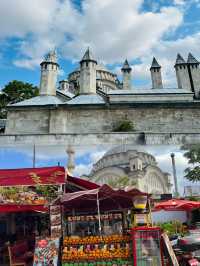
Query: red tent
column 80, row 184
column 38, row 176
column 32, row 176
column 6, row 208
column 108, row 198
column 177, row 205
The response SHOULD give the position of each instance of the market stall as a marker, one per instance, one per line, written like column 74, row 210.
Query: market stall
column 96, row 226
column 24, row 213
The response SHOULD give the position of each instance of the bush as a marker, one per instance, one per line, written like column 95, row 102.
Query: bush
column 124, row 126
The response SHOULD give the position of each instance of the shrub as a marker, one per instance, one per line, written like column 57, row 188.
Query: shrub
column 124, row 126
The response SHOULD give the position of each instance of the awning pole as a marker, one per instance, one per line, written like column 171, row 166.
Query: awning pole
column 99, row 215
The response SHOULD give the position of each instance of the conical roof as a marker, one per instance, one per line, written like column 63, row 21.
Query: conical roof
column 155, row 64
column 126, row 66
column 192, row 59
column 88, row 56
column 179, row 60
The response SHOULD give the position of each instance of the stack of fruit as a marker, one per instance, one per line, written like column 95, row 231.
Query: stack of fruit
column 96, row 239
column 96, row 248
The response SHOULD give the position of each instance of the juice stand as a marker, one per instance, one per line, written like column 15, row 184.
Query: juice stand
column 96, row 228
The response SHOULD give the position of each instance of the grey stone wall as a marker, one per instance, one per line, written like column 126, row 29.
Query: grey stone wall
column 28, row 121
column 147, row 119
column 99, row 139
column 81, row 126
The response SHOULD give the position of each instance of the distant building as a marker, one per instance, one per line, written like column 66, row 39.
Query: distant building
column 125, row 166
column 192, row 191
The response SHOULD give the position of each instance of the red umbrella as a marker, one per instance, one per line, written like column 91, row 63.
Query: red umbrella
column 177, row 205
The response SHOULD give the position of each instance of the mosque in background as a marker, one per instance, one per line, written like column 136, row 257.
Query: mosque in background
column 124, row 166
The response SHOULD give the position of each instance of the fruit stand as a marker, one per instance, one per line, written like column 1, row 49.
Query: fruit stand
column 95, row 227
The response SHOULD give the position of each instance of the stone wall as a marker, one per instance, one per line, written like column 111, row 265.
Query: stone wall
column 28, row 121
column 147, row 119
column 103, row 120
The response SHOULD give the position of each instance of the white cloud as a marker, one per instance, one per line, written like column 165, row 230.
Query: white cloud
column 82, row 169
column 114, row 31
column 179, row 2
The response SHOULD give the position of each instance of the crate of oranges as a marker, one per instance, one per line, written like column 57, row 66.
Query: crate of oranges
column 101, row 248
column 74, row 240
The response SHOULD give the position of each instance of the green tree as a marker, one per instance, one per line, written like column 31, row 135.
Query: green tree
column 16, row 91
column 192, row 173
column 121, row 182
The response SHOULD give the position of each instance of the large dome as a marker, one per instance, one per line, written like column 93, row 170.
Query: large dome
column 120, row 149
column 121, row 155
column 106, row 80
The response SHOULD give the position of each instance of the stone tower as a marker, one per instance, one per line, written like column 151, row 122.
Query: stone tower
column 182, row 74
column 70, row 163
column 88, row 74
column 194, row 73
column 49, row 72
column 126, row 71
column 156, row 76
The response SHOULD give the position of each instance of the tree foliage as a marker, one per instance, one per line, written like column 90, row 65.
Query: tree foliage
column 121, row 182
column 16, row 91
column 192, row 173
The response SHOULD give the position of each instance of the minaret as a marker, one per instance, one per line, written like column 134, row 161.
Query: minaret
column 182, row 74
column 49, row 72
column 126, row 71
column 70, row 163
column 156, row 76
column 194, row 73
column 88, row 74
column 174, row 174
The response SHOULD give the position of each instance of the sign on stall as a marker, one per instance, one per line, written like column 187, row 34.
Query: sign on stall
column 56, row 221
column 46, row 252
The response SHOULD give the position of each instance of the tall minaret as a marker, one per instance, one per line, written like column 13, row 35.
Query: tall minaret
column 49, row 72
column 156, row 76
column 194, row 73
column 70, row 163
column 182, row 74
column 88, row 74
column 126, row 71
column 174, row 174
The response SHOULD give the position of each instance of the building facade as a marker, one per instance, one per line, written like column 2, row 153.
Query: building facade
column 92, row 100
column 125, row 166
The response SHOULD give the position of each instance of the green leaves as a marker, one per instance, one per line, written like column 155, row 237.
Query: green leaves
column 124, row 126
column 16, row 91
column 192, row 173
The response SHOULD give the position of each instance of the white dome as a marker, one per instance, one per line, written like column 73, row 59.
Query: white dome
column 120, row 149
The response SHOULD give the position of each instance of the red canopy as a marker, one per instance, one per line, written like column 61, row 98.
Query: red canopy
column 6, row 208
column 81, row 183
column 109, row 199
column 177, row 204
column 32, row 176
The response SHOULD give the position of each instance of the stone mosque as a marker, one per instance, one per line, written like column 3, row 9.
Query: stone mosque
column 127, row 167
column 92, row 100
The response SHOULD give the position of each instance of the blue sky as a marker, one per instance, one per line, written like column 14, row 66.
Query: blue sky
column 115, row 30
